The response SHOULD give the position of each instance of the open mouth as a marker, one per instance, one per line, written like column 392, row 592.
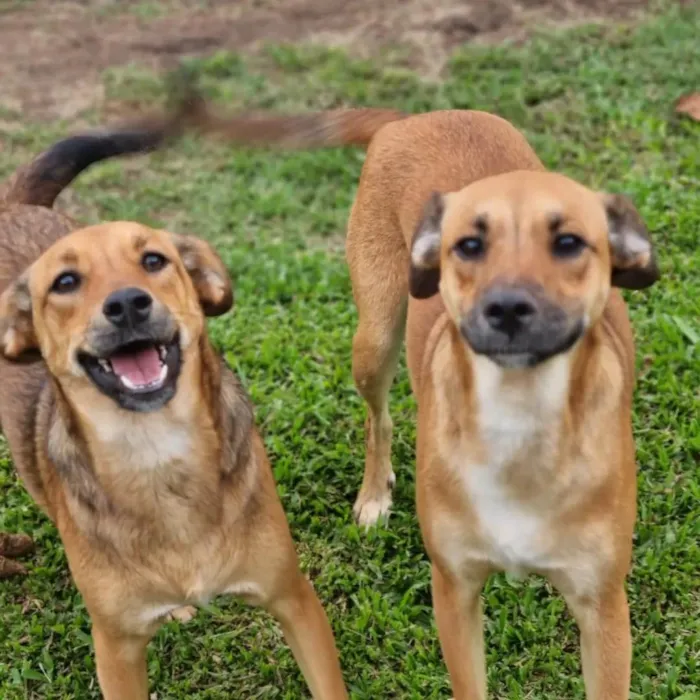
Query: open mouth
column 140, row 375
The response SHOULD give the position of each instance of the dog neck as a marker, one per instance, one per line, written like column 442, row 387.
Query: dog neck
column 119, row 462
column 520, row 423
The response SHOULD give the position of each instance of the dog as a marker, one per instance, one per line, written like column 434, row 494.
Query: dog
column 130, row 431
column 504, row 279
column 26, row 215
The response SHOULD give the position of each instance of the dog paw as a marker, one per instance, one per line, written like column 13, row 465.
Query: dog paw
column 369, row 511
column 183, row 614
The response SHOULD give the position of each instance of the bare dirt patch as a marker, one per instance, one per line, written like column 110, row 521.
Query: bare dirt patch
column 52, row 52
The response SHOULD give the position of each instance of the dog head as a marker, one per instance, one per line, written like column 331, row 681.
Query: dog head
column 525, row 261
column 117, row 308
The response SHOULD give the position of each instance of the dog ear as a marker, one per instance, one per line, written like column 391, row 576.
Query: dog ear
column 424, row 276
column 18, row 342
column 633, row 261
column 208, row 273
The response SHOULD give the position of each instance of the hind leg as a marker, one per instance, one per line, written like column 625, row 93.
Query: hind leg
column 379, row 270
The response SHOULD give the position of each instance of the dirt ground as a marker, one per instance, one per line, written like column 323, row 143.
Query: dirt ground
column 52, row 52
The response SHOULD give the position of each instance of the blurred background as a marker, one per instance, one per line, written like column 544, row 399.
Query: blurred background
column 52, row 52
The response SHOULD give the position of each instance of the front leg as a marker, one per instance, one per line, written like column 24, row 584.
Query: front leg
column 121, row 664
column 310, row 638
column 606, row 643
column 457, row 603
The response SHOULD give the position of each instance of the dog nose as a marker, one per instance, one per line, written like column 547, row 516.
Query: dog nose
column 128, row 307
column 509, row 310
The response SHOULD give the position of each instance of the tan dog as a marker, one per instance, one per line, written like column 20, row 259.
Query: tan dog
column 28, row 225
column 132, row 434
column 522, row 365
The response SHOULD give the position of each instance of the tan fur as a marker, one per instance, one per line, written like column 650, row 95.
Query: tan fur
column 28, row 226
column 554, row 449
column 338, row 127
column 527, row 469
column 160, row 511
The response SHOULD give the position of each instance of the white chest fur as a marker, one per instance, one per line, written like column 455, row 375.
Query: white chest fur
column 143, row 441
column 512, row 490
column 512, row 537
column 519, row 411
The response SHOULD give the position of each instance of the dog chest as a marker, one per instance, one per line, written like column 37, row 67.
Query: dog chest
column 510, row 480
column 511, row 535
column 520, row 417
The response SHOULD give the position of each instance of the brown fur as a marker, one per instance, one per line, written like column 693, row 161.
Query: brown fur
column 355, row 127
column 572, row 473
column 339, row 127
column 157, row 511
column 533, row 464
column 28, row 227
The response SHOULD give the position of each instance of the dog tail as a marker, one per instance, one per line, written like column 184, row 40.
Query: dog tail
column 340, row 127
column 42, row 180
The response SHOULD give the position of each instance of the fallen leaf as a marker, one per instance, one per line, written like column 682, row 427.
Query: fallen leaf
column 690, row 105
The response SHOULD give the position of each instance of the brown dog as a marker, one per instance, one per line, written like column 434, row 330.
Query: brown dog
column 522, row 364
column 28, row 225
column 132, row 434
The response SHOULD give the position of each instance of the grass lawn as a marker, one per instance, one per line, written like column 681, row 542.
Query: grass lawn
column 596, row 103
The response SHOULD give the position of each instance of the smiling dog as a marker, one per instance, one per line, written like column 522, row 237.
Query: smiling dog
column 521, row 357
column 132, row 434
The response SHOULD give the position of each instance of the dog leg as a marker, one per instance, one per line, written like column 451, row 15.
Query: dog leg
column 183, row 614
column 457, row 606
column 380, row 289
column 606, row 643
column 310, row 638
column 121, row 664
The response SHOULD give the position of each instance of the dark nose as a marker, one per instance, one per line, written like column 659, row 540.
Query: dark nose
column 128, row 307
column 509, row 310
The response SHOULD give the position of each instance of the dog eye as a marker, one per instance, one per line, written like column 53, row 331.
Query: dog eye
column 470, row 248
column 66, row 283
column 567, row 245
column 153, row 262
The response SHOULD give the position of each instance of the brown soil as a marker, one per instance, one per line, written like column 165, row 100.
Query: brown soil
column 52, row 52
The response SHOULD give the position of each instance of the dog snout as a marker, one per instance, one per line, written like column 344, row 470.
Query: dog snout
column 128, row 308
column 509, row 310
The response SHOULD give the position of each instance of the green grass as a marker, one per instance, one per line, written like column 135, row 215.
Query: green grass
column 597, row 104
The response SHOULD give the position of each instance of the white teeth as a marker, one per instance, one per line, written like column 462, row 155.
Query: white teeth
column 106, row 366
column 129, row 384
column 162, row 352
column 147, row 387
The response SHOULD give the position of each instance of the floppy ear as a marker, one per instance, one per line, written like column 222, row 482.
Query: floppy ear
column 18, row 341
column 208, row 273
column 424, row 276
column 633, row 261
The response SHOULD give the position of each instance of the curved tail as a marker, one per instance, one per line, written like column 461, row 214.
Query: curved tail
column 41, row 181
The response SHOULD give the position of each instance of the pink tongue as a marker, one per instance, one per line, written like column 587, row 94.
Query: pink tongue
column 140, row 368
